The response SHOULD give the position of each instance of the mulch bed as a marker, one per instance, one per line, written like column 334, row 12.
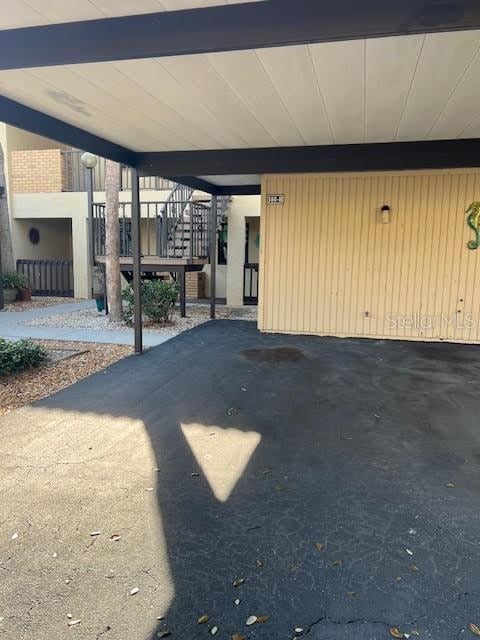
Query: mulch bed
column 68, row 363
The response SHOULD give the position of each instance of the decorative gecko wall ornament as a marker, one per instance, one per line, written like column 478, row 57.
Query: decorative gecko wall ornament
column 473, row 221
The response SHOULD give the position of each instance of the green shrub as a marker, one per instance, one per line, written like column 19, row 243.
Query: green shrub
column 17, row 355
column 14, row 280
column 158, row 300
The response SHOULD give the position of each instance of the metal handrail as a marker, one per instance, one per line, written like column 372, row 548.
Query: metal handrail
column 169, row 230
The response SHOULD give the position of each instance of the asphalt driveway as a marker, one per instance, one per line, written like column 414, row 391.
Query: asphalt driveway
column 335, row 482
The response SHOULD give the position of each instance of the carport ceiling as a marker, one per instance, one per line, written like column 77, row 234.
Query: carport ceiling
column 332, row 76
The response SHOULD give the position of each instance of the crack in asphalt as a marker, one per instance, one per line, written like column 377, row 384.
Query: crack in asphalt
column 326, row 619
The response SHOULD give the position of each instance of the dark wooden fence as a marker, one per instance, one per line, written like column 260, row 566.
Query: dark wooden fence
column 48, row 277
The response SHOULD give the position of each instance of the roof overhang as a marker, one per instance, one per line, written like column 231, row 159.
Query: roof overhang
column 95, row 84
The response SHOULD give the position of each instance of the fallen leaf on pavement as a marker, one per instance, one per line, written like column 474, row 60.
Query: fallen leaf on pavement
column 238, row 582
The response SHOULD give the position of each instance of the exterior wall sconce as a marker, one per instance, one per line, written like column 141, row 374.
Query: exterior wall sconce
column 385, row 213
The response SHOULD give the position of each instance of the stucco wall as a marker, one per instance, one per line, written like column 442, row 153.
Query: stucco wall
column 70, row 208
column 55, row 239
column 330, row 267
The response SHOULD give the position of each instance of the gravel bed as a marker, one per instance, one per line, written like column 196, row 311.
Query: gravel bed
column 84, row 359
column 91, row 319
column 38, row 302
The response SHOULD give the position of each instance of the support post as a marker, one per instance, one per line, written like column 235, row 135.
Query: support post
column 136, row 258
column 91, row 238
column 2, row 301
column 213, row 254
column 183, row 310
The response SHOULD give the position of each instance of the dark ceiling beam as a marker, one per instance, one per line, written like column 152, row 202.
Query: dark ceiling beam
column 219, row 190
column 23, row 117
column 239, row 190
column 248, row 25
column 438, row 154
column 193, row 182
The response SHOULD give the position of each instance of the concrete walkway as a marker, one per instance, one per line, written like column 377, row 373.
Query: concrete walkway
column 11, row 327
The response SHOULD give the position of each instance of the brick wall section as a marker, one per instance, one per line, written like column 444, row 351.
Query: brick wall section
column 195, row 285
column 39, row 171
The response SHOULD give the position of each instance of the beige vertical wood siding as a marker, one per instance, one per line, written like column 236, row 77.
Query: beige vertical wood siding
column 328, row 265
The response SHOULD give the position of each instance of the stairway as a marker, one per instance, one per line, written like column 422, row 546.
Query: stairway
column 188, row 224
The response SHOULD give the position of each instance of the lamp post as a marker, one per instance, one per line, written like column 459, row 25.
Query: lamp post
column 89, row 162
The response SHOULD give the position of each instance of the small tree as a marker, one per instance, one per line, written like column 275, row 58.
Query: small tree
column 112, row 241
column 6, row 248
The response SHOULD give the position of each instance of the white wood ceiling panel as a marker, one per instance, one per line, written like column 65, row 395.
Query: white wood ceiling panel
column 87, row 92
column 27, row 89
column 463, row 106
column 340, row 69
column 63, row 10
column 112, row 8
column 153, row 111
column 291, row 72
column 390, row 67
column 168, row 88
column 205, row 86
column 15, row 13
column 245, row 74
column 394, row 88
column 443, row 61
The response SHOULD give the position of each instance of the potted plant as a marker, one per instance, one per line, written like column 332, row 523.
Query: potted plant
column 24, row 289
column 12, row 282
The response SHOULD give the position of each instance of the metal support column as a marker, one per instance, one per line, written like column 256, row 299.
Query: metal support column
column 91, row 240
column 183, row 309
column 137, row 262
column 213, row 254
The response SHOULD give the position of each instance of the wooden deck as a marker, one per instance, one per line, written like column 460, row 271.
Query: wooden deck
column 155, row 263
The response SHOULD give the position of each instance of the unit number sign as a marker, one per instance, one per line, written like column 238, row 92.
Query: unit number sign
column 275, row 198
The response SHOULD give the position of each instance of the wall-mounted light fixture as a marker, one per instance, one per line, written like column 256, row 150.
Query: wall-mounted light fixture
column 385, row 214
